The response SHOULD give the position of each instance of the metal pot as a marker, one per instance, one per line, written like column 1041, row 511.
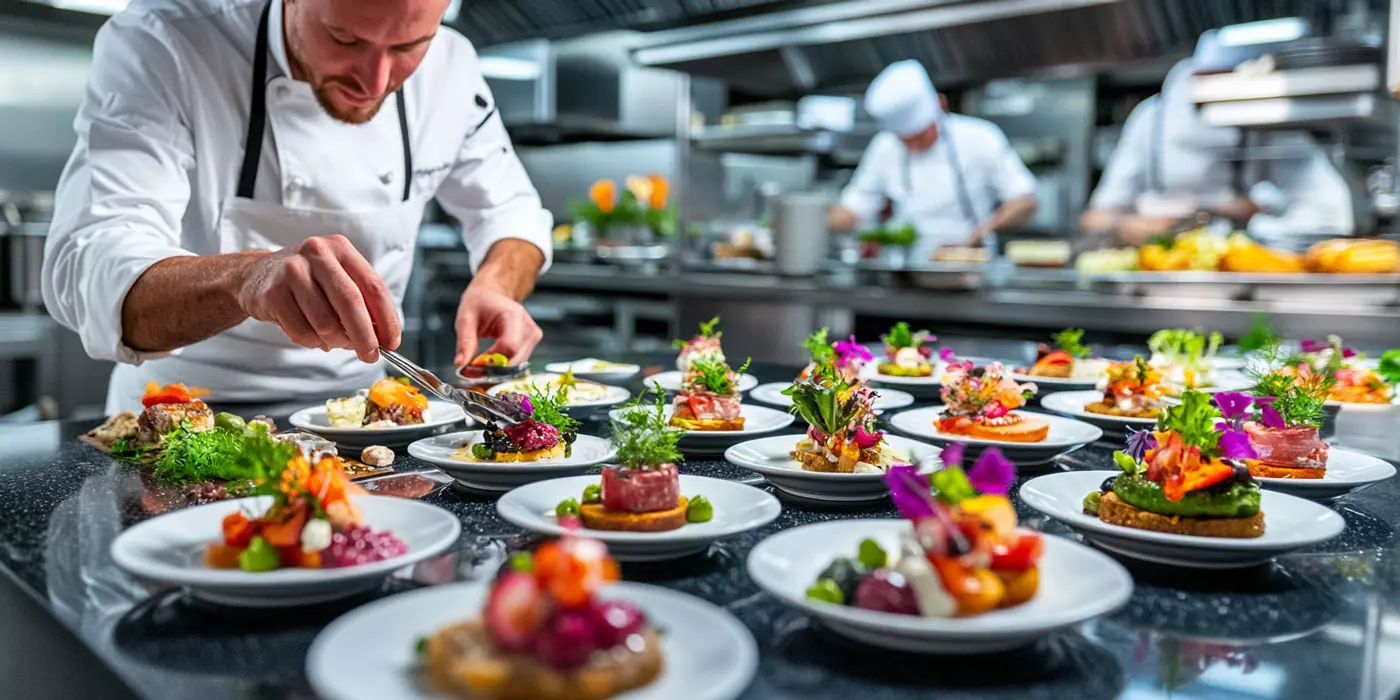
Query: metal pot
column 24, row 226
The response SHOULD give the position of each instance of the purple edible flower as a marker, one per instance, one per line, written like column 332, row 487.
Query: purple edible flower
column 993, row 473
column 952, row 455
column 523, row 399
column 1139, row 442
column 1234, row 444
column 909, row 491
column 1313, row 346
column 847, row 350
column 1271, row 418
column 1348, row 353
column 946, row 355
column 1233, row 404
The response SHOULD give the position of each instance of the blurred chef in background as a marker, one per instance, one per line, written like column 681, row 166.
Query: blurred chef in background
column 955, row 178
column 1169, row 166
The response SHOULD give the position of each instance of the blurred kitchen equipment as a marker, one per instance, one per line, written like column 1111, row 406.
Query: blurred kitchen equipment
column 800, row 236
column 24, row 225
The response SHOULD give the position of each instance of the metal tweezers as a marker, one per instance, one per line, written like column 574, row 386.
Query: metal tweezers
column 482, row 408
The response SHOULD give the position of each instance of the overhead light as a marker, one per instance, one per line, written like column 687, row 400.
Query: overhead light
column 97, row 7
column 1271, row 31
column 507, row 68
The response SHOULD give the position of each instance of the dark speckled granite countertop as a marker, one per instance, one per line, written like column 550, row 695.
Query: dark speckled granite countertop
column 1310, row 625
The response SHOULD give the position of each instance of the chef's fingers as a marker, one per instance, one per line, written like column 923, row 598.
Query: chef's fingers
column 516, row 336
column 467, row 339
column 288, row 315
column 306, row 292
column 378, row 300
column 342, row 294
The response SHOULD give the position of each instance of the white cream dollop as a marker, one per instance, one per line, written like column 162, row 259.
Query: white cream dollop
column 933, row 599
column 910, row 358
column 315, row 535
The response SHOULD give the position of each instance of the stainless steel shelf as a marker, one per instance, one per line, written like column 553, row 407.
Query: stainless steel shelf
column 780, row 139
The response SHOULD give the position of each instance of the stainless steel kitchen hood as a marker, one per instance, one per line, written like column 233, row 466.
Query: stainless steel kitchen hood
column 841, row 45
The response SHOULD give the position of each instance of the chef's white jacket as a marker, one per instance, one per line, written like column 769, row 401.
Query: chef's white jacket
column 925, row 186
column 160, row 141
column 1303, row 194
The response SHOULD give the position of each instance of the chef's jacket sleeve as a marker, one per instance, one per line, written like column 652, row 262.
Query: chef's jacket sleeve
column 1313, row 197
column 489, row 192
column 1010, row 178
column 1125, row 177
column 122, row 195
column 865, row 195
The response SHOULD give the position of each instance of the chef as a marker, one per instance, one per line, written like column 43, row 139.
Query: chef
column 1169, row 165
column 955, row 178
column 277, row 270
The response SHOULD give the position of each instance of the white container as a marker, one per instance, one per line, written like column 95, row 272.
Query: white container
column 800, row 236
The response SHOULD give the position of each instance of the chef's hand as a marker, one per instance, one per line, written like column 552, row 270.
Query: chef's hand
column 323, row 294
column 978, row 237
column 1237, row 209
column 491, row 307
column 1136, row 230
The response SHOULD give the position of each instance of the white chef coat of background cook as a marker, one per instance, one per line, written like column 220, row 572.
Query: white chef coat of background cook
column 924, row 186
column 160, row 142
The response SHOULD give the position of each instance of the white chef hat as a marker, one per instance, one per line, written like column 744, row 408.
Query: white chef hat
column 902, row 99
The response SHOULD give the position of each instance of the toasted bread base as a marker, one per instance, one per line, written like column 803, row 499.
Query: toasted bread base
column 1114, row 510
column 555, row 452
column 891, row 369
column 1028, row 429
column 1260, row 469
column 595, row 517
column 1056, row 371
column 706, row 425
column 1105, row 408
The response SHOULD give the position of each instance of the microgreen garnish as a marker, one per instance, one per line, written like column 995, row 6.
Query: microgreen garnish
column 1295, row 392
column 819, row 347
column 642, row 437
column 707, row 330
column 1389, row 368
column 715, row 377
column 1069, row 341
column 1261, row 334
column 901, row 337
column 548, row 407
column 1195, row 419
column 1185, row 346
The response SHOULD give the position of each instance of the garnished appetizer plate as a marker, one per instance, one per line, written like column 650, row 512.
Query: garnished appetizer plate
column 578, row 394
column 1068, row 365
column 1347, row 471
column 175, row 547
column 772, row 457
column 707, row 510
column 685, row 647
column 670, row 382
column 1064, row 435
column 452, row 453
column 758, row 420
column 885, row 399
column 1290, row 524
column 956, row 575
column 1071, row 404
column 390, row 413
column 593, row 368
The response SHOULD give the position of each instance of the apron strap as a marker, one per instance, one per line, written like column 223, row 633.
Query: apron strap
column 257, row 119
column 964, row 197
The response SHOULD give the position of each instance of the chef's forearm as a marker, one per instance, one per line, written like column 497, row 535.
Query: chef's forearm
column 1013, row 213
column 182, row 300
column 511, row 266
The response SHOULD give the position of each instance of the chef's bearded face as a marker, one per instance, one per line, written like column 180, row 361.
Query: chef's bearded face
column 922, row 141
column 356, row 53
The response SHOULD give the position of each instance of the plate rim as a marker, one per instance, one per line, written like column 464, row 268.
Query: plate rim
column 725, row 434
column 298, row 420
column 799, row 474
column 1324, row 483
column 629, row 370
column 506, row 467
column 612, row 395
column 1081, row 414
column 746, row 381
column 1046, row 445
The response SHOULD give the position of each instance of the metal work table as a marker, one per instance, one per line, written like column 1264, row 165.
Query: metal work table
column 1320, row 623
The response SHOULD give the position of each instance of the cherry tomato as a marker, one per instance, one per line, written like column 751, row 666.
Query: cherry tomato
column 1021, row 553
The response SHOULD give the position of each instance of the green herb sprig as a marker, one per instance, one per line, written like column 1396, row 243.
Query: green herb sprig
column 818, row 401
column 716, row 377
column 1389, row 368
column 1069, row 341
column 1195, row 419
column 642, row 437
column 819, row 346
column 900, row 336
column 550, row 407
column 1261, row 334
column 707, row 330
column 1180, row 345
column 1297, row 402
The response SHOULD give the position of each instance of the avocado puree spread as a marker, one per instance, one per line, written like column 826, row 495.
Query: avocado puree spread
column 1239, row 500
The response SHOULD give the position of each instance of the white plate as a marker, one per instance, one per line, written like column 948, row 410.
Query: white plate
column 1053, row 384
column 885, row 399
column 738, row 508
column 1066, row 435
column 444, row 415
column 1220, row 381
column 170, row 548
column 587, row 367
column 610, row 396
column 670, row 382
column 758, row 420
column 1346, row 471
column 368, row 654
column 504, row 476
column 1071, row 405
column 1076, row 584
column 769, row 457
column 1290, row 523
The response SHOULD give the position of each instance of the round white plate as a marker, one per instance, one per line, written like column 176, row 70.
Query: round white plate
column 1076, row 584
column 1053, row 384
column 504, row 476
column 611, row 395
column 1346, row 471
column 758, row 420
column 444, row 416
column 1071, row 405
column 1066, row 435
column 1290, row 523
column 1220, row 381
column 670, row 382
column 871, row 372
column 770, row 457
column 1351, row 407
column 885, row 399
column 170, row 548
column 589, row 367
column 738, row 508
column 368, row 654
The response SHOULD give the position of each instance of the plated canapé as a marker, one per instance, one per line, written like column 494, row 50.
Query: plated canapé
column 573, row 391
column 961, row 555
column 388, row 403
column 1068, row 359
column 847, row 357
column 545, row 634
column 1185, row 358
column 981, row 404
column 842, row 436
column 546, row 433
column 709, row 397
column 705, row 346
column 1284, row 433
column 1130, row 390
column 1188, row 477
column 907, row 352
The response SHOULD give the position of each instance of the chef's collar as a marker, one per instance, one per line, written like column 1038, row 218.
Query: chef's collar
column 275, row 40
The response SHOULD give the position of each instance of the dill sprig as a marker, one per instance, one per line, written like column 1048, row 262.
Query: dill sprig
column 549, row 405
column 642, row 437
column 716, row 377
column 1299, row 400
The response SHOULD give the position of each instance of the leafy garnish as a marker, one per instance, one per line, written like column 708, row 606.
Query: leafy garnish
column 642, row 437
column 549, row 407
column 188, row 457
column 1389, row 368
column 1069, row 341
column 1298, row 392
column 826, row 402
column 819, row 347
column 1261, row 334
column 707, row 330
column 715, row 377
column 1185, row 346
column 1195, row 419
column 127, row 447
column 901, row 337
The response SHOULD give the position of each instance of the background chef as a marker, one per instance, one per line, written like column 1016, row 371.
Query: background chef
column 955, row 178
column 277, row 271
column 1169, row 165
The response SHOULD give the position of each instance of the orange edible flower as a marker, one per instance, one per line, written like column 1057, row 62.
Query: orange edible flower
column 604, row 194
column 170, row 393
column 660, row 191
column 389, row 392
